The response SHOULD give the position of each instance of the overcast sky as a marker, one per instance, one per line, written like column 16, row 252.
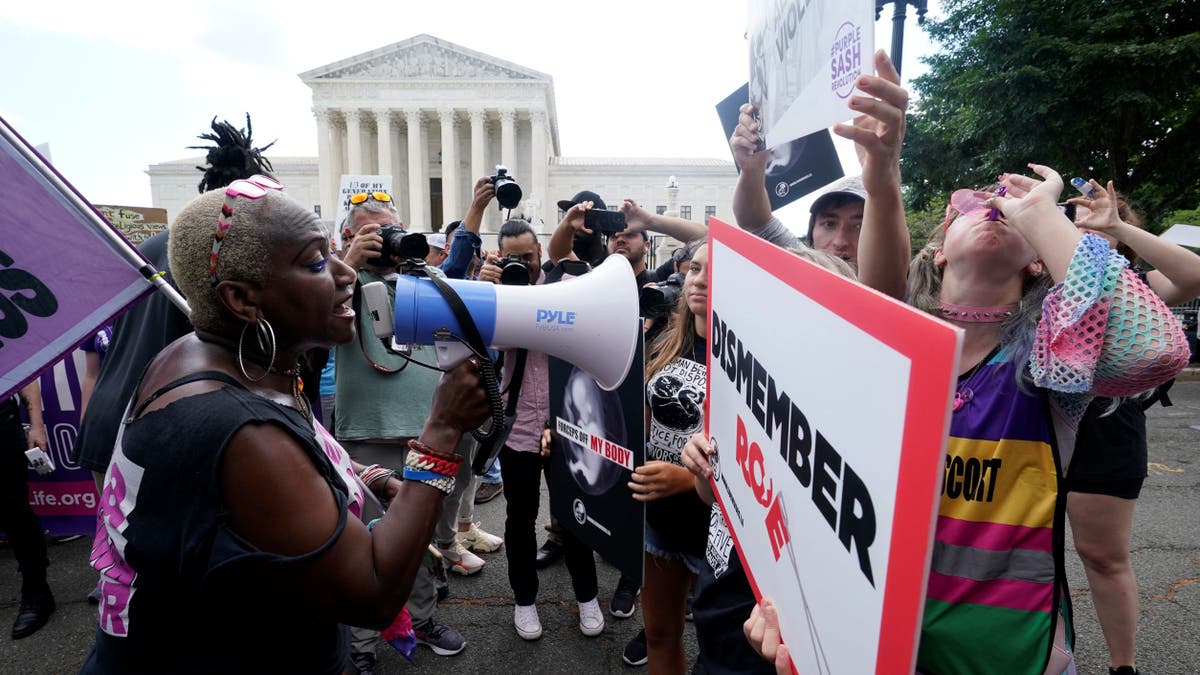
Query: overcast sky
column 114, row 87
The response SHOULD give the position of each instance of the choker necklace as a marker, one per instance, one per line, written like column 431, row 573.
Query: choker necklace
column 972, row 314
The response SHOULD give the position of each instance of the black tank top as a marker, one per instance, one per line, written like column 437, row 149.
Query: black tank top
column 188, row 589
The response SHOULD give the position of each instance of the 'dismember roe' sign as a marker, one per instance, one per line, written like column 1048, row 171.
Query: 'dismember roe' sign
column 829, row 405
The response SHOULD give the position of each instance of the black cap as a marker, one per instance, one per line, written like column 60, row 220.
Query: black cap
column 583, row 196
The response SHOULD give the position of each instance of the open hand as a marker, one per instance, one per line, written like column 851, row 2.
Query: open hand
column 878, row 130
column 1102, row 215
column 1030, row 200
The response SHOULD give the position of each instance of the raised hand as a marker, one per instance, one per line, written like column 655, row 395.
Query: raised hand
column 747, row 144
column 1102, row 214
column 878, row 130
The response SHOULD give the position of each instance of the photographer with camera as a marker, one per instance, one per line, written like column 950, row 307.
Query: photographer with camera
column 383, row 401
column 627, row 231
column 519, row 261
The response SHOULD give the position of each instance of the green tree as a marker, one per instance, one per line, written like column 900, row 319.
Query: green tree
column 1101, row 89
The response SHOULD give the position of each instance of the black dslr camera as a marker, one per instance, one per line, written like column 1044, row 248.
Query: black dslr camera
column 397, row 242
column 657, row 300
column 513, row 271
column 508, row 193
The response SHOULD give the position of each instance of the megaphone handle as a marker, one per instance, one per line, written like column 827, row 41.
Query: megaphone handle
column 474, row 344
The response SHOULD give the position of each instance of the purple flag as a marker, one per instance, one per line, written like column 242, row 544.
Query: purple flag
column 61, row 275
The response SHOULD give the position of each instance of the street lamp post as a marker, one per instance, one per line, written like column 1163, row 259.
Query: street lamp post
column 898, row 24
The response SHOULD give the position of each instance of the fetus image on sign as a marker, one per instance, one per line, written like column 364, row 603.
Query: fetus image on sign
column 598, row 412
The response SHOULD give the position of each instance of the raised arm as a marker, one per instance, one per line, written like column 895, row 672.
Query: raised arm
column 1176, row 274
column 564, row 235
column 466, row 238
column 751, row 203
column 639, row 219
column 878, row 134
column 1096, row 290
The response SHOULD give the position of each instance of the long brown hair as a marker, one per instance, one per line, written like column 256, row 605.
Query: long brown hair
column 679, row 337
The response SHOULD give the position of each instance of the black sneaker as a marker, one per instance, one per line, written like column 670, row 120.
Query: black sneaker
column 548, row 554
column 687, row 612
column 442, row 639
column 635, row 652
column 624, row 599
column 1123, row 670
column 364, row 663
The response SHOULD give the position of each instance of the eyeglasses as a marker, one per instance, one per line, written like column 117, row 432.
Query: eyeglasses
column 364, row 196
column 254, row 187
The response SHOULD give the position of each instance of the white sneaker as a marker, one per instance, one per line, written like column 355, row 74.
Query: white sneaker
column 479, row 541
column 591, row 619
column 525, row 618
column 459, row 560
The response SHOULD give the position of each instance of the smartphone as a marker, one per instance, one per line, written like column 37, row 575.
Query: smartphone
column 1068, row 210
column 603, row 220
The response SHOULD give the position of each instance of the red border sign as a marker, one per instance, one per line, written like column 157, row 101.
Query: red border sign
column 932, row 349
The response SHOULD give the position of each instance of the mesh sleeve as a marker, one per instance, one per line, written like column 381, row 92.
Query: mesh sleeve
column 1144, row 345
column 1103, row 331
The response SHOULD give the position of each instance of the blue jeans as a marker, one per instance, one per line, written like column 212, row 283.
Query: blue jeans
column 492, row 477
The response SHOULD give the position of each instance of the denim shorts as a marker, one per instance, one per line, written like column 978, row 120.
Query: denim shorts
column 657, row 547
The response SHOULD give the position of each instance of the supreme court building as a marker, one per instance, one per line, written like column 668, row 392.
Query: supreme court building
column 436, row 116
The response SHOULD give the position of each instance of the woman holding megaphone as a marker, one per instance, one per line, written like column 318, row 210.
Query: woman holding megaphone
column 229, row 516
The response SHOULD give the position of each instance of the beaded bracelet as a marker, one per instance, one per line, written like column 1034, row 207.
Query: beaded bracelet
column 422, row 458
column 443, row 483
column 372, row 474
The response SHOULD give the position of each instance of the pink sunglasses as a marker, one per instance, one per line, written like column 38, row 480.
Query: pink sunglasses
column 254, row 187
column 966, row 202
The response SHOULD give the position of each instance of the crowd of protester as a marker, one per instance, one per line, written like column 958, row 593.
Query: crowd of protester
column 313, row 457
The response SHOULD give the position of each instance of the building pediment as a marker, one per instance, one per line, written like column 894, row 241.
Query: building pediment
column 423, row 57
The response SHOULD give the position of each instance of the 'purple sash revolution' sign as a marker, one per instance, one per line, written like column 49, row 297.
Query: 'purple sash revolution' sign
column 60, row 277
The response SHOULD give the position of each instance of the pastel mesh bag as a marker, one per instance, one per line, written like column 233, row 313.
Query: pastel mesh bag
column 1103, row 331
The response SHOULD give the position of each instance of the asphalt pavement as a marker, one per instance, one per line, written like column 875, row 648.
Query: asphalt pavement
column 1166, row 556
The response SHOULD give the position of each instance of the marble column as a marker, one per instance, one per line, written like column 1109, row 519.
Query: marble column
column 478, row 146
column 537, row 164
column 383, row 136
column 418, row 187
column 508, row 118
column 327, row 180
column 451, row 209
column 337, row 141
column 353, row 141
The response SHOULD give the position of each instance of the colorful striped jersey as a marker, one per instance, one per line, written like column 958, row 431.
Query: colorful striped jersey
column 995, row 579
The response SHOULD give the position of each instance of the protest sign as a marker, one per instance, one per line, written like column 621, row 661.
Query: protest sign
column 63, row 271
column 64, row 499
column 805, row 56
column 797, row 167
column 599, row 439
column 354, row 184
column 137, row 223
column 829, row 409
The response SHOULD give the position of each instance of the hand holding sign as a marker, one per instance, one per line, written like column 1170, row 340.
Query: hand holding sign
column 762, row 632
column 657, row 479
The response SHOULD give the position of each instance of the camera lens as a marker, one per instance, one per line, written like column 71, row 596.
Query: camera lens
column 508, row 193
